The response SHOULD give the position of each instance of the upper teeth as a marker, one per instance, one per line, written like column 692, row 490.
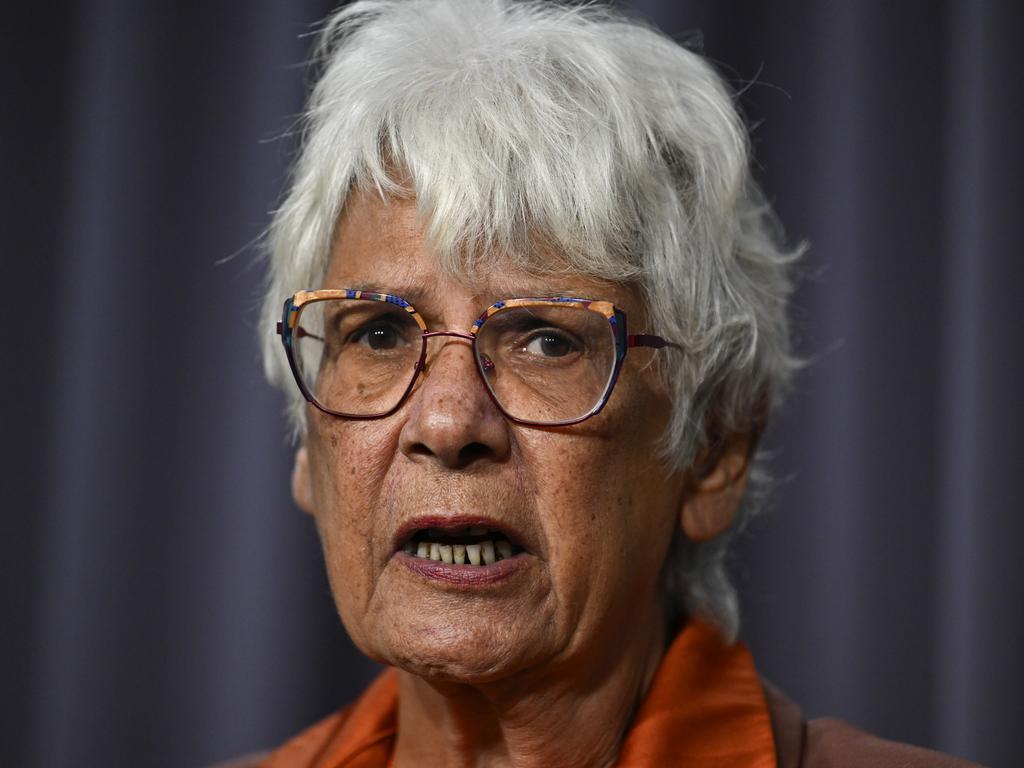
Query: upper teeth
column 488, row 552
column 485, row 552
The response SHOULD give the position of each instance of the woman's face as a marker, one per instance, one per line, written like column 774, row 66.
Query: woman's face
column 589, row 504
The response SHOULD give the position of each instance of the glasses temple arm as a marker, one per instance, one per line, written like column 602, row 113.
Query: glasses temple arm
column 300, row 332
column 647, row 340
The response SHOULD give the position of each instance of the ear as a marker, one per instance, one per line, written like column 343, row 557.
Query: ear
column 302, row 481
column 715, row 488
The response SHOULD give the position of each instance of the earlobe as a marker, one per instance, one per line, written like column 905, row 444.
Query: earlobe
column 302, row 481
column 712, row 497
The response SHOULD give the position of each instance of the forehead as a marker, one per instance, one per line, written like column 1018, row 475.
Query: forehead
column 379, row 245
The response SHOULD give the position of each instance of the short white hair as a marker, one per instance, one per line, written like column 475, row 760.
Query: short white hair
column 519, row 124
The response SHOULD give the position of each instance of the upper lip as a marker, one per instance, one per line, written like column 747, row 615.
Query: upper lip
column 451, row 522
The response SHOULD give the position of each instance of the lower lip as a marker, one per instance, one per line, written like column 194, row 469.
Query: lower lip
column 461, row 575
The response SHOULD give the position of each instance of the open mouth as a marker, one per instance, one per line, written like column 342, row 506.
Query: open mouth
column 463, row 545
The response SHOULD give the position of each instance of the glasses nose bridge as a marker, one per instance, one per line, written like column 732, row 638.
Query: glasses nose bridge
column 440, row 334
column 456, row 334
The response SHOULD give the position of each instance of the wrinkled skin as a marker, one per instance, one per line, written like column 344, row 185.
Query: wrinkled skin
column 546, row 666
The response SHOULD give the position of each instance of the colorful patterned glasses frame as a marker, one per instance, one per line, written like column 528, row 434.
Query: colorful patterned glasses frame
column 543, row 361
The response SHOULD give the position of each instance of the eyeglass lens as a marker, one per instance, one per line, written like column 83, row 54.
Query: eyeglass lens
column 543, row 364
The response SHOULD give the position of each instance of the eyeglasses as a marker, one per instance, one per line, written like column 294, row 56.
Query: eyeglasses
column 543, row 361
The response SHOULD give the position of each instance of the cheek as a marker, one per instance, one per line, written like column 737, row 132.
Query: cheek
column 608, row 521
column 348, row 461
column 348, row 464
column 601, row 505
column 608, row 506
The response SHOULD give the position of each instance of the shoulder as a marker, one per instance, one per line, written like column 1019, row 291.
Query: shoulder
column 830, row 743
column 835, row 743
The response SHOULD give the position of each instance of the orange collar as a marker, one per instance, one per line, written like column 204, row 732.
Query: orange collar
column 705, row 709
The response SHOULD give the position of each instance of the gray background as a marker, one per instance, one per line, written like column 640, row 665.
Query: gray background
column 164, row 604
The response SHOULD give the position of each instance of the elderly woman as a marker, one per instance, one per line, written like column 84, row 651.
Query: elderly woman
column 534, row 323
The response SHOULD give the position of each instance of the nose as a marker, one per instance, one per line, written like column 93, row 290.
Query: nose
column 452, row 419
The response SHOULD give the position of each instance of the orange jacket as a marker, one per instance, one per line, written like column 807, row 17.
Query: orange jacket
column 706, row 708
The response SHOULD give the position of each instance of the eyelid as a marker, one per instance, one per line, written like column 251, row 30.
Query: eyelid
column 530, row 336
column 359, row 312
column 389, row 319
column 570, row 343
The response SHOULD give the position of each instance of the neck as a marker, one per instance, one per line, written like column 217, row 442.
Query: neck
column 571, row 713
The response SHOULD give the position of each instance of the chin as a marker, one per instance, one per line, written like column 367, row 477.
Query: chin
column 444, row 649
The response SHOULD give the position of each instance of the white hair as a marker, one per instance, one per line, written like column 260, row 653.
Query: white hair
column 518, row 124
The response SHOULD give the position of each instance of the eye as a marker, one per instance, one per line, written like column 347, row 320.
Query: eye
column 379, row 336
column 548, row 343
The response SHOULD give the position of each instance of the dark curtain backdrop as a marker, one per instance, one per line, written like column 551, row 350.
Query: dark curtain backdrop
column 164, row 603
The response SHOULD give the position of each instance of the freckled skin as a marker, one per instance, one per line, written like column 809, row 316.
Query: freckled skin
column 580, row 624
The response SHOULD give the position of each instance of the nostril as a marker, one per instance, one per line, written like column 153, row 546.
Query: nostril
column 419, row 449
column 466, row 455
column 472, row 452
